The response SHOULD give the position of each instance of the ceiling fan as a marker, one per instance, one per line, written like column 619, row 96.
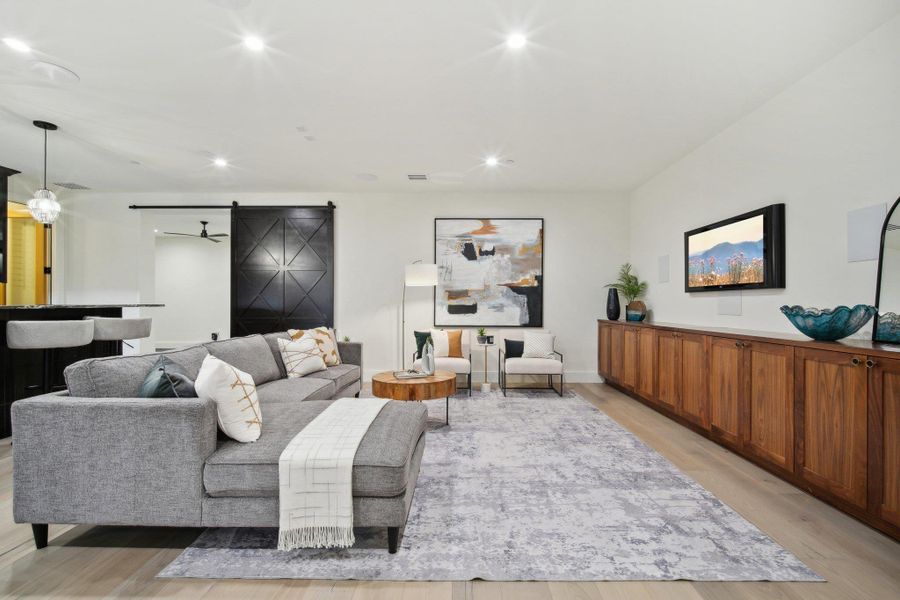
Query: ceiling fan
column 203, row 233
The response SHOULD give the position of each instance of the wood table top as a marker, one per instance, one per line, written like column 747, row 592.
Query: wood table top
column 439, row 385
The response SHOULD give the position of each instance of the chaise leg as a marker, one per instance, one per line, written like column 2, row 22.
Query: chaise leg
column 40, row 531
column 356, row 395
column 393, row 538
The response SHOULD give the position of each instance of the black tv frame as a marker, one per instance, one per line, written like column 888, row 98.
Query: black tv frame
column 773, row 250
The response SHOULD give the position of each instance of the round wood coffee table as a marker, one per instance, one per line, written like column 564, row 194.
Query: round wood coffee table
column 440, row 385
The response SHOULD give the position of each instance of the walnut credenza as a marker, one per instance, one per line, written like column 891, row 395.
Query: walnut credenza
column 824, row 416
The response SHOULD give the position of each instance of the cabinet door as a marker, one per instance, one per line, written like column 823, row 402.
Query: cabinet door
column 646, row 363
column 667, row 369
column 629, row 358
column 725, row 389
column 693, row 389
column 603, row 349
column 616, row 353
column 769, row 404
column 884, row 425
column 831, row 410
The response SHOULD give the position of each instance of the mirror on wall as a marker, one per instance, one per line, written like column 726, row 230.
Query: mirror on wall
column 887, row 293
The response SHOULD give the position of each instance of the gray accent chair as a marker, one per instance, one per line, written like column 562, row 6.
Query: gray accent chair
column 98, row 455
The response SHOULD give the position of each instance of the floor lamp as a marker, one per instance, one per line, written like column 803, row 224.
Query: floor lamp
column 417, row 274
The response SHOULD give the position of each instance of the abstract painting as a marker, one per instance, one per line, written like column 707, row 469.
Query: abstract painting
column 490, row 272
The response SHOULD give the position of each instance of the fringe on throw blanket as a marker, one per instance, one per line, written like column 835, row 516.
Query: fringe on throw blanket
column 316, row 537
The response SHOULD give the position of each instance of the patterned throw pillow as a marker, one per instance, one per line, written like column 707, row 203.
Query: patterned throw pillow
column 325, row 339
column 234, row 393
column 301, row 357
column 538, row 345
column 447, row 342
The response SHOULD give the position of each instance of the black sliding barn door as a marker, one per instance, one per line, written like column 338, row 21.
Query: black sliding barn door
column 282, row 268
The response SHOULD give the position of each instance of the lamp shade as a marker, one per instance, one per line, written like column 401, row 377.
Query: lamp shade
column 421, row 275
column 44, row 207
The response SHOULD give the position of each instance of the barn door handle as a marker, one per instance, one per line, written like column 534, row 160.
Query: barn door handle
column 870, row 363
column 855, row 361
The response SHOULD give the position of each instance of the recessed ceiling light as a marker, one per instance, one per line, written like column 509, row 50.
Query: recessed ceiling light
column 156, row 231
column 251, row 42
column 491, row 161
column 516, row 41
column 17, row 45
column 220, row 162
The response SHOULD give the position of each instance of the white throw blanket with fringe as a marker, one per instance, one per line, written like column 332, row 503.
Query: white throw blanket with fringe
column 315, row 476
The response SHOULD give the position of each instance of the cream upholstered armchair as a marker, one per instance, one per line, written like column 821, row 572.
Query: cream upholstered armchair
column 549, row 363
column 460, row 366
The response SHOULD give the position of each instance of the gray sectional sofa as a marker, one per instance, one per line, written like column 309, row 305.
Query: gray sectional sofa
column 95, row 454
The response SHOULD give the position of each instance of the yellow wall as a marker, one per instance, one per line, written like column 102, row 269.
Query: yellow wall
column 25, row 278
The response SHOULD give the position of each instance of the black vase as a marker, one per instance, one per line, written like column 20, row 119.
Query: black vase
column 613, row 310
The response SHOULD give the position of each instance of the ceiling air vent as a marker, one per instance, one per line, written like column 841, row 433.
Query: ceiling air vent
column 71, row 186
column 418, row 177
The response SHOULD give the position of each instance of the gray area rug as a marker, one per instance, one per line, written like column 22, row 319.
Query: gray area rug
column 530, row 487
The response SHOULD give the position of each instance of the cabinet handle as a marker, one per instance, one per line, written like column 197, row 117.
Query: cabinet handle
column 738, row 344
column 870, row 363
column 855, row 361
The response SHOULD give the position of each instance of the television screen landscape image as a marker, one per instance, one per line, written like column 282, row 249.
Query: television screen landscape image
column 742, row 252
column 730, row 255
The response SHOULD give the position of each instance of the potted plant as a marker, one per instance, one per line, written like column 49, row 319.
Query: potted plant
column 482, row 335
column 632, row 288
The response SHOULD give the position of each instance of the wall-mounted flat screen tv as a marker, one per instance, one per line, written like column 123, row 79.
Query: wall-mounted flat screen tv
column 743, row 252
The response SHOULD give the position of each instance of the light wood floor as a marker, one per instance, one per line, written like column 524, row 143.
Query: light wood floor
column 859, row 563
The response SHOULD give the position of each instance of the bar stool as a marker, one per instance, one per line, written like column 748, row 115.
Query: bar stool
column 117, row 329
column 46, row 336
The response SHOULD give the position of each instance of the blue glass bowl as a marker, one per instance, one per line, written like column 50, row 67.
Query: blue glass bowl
column 829, row 324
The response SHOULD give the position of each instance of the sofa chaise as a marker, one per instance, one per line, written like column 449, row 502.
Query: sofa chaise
column 95, row 454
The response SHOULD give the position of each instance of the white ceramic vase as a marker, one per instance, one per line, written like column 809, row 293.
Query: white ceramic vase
column 428, row 358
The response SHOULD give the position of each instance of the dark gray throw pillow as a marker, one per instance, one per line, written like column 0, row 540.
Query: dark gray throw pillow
column 167, row 379
column 514, row 348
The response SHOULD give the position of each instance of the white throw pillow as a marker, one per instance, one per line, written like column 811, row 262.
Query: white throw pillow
column 441, row 342
column 301, row 357
column 233, row 391
column 538, row 345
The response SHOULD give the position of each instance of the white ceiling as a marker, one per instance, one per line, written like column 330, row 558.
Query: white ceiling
column 606, row 94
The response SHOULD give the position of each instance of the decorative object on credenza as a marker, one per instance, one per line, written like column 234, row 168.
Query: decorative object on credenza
column 44, row 206
column 613, row 309
column 482, row 336
column 743, row 252
column 886, row 327
column 829, row 324
column 491, row 272
column 428, row 357
column 417, row 274
column 632, row 288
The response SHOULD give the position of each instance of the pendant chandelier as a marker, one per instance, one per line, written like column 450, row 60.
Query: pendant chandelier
column 43, row 206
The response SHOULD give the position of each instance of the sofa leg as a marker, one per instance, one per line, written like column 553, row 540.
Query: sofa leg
column 40, row 531
column 356, row 395
column 393, row 538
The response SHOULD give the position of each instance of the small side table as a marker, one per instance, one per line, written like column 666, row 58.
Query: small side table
column 486, row 385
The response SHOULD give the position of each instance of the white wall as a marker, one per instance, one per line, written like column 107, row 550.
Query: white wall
column 376, row 235
column 193, row 280
column 826, row 145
